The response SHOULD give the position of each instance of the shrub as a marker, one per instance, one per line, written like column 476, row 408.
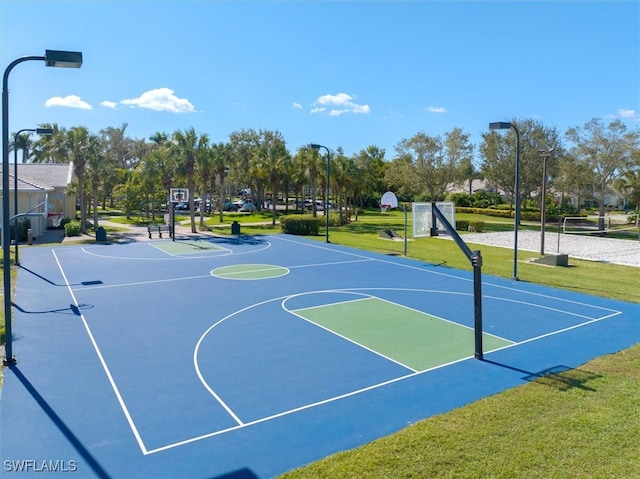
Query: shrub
column 462, row 225
column 72, row 228
column 477, row 226
column 305, row 225
column 23, row 225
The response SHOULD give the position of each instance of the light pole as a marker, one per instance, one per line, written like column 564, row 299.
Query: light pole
column 52, row 58
column 505, row 125
column 315, row 146
column 543, row 200
column 39, row 131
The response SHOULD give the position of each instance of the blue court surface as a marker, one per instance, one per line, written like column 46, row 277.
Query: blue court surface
column 248, row 357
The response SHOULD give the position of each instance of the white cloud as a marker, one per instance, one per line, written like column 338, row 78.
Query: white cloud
column 160, row 99
column 71, row 101
column 624, row 113
column 296, row 105
column 436, row 109
column 109, row 104
column 341, row 103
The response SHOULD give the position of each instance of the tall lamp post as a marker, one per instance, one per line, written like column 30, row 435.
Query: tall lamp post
column 505, row 125
column 545, row 155
column 52, row 58
column 315, row 146
column 39, row 131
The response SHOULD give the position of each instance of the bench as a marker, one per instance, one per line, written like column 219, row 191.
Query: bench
column 159, row 229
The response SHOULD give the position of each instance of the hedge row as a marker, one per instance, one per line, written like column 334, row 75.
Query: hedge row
column 306, row 225
column 524, row 215
column 464, row 225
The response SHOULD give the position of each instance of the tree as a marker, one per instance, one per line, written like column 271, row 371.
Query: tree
column 99, row 166
column 81, row 147
column 369, row 173
column 187, row 147
column 204, row 164
column 51, row 148
column 607, row 150
column 272, row 159
column 628, row 184
column 222, row 158
column 499, row 157
column 430, row 164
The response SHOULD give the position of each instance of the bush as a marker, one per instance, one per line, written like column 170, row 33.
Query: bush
column 305, row 225
column 477, row 226
column 462, row 225
column 72, row 228
column 23, row 225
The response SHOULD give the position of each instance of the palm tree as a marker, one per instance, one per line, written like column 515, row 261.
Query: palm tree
column 272, row 159
column 204, row 161
column 51, row 148
column 222, row 157
column 81, row 146
column 187, row 146
column 98, row 167
column 343, row 172
column 313, row 160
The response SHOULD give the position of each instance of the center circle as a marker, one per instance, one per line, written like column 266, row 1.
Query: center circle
column 249, row 271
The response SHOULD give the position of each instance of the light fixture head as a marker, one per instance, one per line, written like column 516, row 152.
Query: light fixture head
column 63, row 59
column 499, row 125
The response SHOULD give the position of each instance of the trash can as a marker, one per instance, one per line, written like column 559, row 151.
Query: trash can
column 101, row 234
column 235, row 228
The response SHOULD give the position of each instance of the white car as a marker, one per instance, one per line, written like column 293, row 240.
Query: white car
column 247, row 208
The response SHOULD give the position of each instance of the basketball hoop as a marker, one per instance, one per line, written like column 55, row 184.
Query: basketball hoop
column 387, row 201
column 55, row 218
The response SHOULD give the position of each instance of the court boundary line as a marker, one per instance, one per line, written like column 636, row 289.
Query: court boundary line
column 374, row 386
column 172, row 257
column 137, row 434
column 448, row 275
column 103, row 362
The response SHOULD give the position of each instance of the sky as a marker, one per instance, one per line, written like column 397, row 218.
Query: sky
column 346, row 74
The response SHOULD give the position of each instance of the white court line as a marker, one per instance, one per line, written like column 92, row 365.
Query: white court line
column 127, row 415
column 142, row 283
column 335, row 333
column 174, row 257
column 448, row 275
column 242, row 424
column 231, row 274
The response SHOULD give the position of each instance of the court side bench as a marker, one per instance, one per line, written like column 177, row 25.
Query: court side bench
column 159, row 229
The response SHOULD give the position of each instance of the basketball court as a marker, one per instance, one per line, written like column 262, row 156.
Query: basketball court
column 250, row 356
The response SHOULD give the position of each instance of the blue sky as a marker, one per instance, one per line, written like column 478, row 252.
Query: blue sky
column 341, row 73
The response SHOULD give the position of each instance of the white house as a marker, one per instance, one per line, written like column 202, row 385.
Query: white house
column 40, row 184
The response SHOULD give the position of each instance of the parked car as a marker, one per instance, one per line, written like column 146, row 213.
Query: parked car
column 228, row 206
column 247, row 208
column 182, row 206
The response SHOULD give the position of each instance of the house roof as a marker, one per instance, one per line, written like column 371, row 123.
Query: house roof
column 41, row 176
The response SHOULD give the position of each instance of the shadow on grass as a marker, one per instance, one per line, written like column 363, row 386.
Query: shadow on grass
column 560, row 377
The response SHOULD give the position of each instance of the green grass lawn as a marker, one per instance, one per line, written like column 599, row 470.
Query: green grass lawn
column 582, row 423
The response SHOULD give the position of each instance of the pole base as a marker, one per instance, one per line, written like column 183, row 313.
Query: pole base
column 9, row 361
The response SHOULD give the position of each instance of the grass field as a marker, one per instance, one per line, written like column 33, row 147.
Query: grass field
column 582, row 423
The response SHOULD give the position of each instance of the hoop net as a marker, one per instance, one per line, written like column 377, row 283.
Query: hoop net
column 55, row 219
column 383, row 208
